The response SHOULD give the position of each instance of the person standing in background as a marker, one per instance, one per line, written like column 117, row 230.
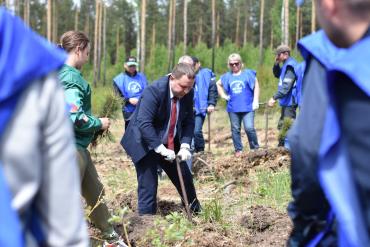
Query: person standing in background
column 129, row 85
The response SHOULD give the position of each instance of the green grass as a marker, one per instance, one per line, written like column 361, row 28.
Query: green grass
column 270, row 188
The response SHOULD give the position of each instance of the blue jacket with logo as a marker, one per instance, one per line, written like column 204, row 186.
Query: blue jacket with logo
column 241, row 90
column 130, row 87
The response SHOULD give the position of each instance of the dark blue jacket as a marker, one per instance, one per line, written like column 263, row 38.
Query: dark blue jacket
column 290, row 98
column 149, row 121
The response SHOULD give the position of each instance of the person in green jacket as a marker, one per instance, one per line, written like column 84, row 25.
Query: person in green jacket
column 78, row 98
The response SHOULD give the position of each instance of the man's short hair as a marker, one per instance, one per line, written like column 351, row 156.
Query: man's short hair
column 281, row 49
column 186, row 59
column 195, row 59
column 183, row 69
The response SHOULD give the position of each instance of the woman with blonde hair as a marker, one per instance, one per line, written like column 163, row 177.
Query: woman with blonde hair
column 240, row 89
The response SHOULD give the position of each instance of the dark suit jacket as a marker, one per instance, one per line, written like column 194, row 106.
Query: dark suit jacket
column 149, row 121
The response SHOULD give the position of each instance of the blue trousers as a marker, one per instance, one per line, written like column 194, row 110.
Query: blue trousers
column 147, row 177
column 236, row 119
column 198, row 134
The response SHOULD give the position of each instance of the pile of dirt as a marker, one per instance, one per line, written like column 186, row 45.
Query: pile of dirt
column 267, row 226
column 231, row 166
column 208, row 235
column 138, row 227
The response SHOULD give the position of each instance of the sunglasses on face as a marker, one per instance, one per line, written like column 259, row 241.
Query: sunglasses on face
column 234, row 64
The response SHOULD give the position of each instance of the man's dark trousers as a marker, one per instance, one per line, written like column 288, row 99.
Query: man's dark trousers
column 147, row 177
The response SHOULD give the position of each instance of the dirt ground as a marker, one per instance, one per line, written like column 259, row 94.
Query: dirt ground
column 218, row 175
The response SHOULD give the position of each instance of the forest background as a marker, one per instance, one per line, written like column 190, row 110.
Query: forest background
column 158, row 32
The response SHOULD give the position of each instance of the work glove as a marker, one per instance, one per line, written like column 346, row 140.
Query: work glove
column 227, row 97
column 255, row 105
column 168, row 154
column 184, row 153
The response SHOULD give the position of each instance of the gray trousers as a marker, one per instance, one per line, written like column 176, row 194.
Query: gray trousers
column 93, row 191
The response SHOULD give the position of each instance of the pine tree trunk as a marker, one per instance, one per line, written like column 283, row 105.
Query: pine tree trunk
column 313, row 17
column 173, row 32
column 245, row 32
column 185, row 25
column 87, row 25
column 142, row 35
column 297, row 25
column 77, row 12
column 117, row 45
column 26, row 12
column 101, row 6
column 213, row 33
column 96, row 33
column 200, row 31
column 218, row 30
column 105, row 44
column 261, row 30
column 286, row 22
column 169, row 40
column 55, row 21
column 152, row 48
column 49, row 20
column 237, row 27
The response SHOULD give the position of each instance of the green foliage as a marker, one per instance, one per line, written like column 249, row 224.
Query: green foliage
column 212, row 212
column 271, row 188
column 169, row 230
column 284, row 128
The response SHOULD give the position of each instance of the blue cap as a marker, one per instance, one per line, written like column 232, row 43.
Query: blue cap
column 299, row 2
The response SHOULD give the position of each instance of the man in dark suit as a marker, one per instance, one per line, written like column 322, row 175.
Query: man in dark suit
column 162, row 124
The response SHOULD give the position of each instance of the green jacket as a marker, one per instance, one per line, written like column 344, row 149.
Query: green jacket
column 78, row 98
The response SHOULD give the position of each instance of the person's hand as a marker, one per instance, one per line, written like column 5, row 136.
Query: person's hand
column 226, row 97
column 210, row 108
column 255, row 105
column 184, row 153
column 167, row 154
column 271, row 102
column 105, row 123
column 133, row 101
column 277, row 59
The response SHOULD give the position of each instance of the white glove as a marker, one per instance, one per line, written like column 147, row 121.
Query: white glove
column 227, row 97
column 184, row 152
column 168, row 154
column 255, row 105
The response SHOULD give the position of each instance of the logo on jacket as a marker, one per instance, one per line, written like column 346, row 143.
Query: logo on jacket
column 237, row 86
column 134, row 87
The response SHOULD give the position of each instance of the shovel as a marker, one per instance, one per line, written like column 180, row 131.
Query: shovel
column 183, row 190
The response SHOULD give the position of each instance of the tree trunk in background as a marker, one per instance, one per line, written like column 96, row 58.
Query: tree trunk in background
column 117, row 45
column 261, row 30
column 245, row 32
column 297, row 25
column 55, row 21
column 169, row 37
column 218, row 30
column 87, row 26
column 286, row 22
column 96, row 42
column 200, row 30
column 152, row 48
column 105, row 44
column 313, row 17
column 77, row 12
column 142, row 35
column 213, row 33
column 26, row 12
column 49, row 21
column 173, row 32
column 272, row 38
column 185, row 25
column 16, row 7
column 237, row 28
column 101, row 6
